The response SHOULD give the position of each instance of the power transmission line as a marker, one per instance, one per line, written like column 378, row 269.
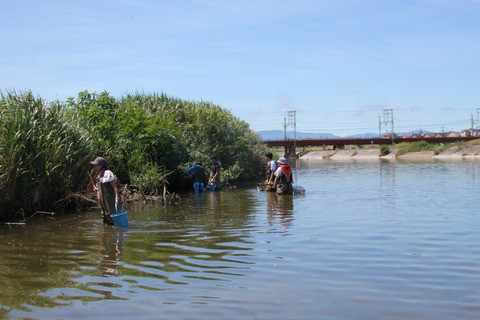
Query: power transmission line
column 388, row 119
column 292, row 122
column 379, row 126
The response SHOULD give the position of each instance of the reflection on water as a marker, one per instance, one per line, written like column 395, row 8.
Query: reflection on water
column 110, row 250
column 368, row 240
column 280, row 208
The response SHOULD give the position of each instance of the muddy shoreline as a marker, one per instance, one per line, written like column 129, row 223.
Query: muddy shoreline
column 84, row 201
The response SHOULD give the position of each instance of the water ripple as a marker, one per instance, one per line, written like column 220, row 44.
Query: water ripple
column 367, row 241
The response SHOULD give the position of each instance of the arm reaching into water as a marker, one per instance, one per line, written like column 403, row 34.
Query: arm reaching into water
column 270, row 180
column 272, row 165
column 275, row 183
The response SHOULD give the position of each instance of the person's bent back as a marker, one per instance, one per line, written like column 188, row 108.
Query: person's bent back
column 199, row 176
column 283, row 178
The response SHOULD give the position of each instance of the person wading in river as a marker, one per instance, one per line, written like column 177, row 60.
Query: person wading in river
column 283, row 178
column 215, row 173
column 106, row 189
column 271, row 168
column 199, row 176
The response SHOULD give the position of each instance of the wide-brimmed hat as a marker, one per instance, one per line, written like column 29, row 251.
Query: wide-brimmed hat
column 282, row 160
column 101, row 161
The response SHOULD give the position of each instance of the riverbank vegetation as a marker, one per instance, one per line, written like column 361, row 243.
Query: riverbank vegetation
column 150, row 140
column 384, row 149
column 437, row 148
column 418, row 146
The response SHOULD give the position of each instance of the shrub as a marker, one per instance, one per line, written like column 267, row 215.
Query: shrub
column 150, row 180
column 384, row 149
column 206, row 130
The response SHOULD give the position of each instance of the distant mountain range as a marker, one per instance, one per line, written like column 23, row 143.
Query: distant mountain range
column 279, row 135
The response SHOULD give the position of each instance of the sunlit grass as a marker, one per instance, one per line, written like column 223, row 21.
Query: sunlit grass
column 437, row 148
column 45, row 147
column 42, row 154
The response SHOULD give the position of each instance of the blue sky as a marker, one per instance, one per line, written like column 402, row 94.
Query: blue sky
column 338, row 63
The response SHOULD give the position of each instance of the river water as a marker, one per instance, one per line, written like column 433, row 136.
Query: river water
column 373, row 240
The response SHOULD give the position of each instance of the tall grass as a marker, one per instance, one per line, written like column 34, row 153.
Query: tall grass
column 42, row 154
column 148, row 139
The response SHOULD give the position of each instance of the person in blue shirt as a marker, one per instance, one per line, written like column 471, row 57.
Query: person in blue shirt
column 199, row 176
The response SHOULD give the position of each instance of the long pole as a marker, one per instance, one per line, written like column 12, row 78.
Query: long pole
column 285, row 132
column 379, row 126
column 478, row 116
column 91, row 181
column 393, row 140
column 295, row 132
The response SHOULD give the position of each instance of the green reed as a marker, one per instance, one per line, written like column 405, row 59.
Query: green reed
column 148, row 139
column 42, row 154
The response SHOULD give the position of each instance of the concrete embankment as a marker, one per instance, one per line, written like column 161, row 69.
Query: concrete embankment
column 420, row 155
column 343, row 155
column 318, row 155
column 454, row 153
column 391, row 156
column 367, row 154
column 449, row 153
column 470, row 151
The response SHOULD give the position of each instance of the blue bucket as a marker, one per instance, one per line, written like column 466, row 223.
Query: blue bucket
column 211, row 187
column 120, row 219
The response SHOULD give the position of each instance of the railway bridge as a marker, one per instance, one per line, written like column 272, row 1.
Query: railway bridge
column 291, row 145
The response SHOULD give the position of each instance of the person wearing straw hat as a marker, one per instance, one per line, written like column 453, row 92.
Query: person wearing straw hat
column 106, row 189
column 283, row 178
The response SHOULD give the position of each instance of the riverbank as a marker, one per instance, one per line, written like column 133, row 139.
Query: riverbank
column 149, row 141
column 459, row 152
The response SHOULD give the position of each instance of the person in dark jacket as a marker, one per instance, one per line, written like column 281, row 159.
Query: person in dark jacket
column 215, row 173
column 106, row 189
column 199, row 176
